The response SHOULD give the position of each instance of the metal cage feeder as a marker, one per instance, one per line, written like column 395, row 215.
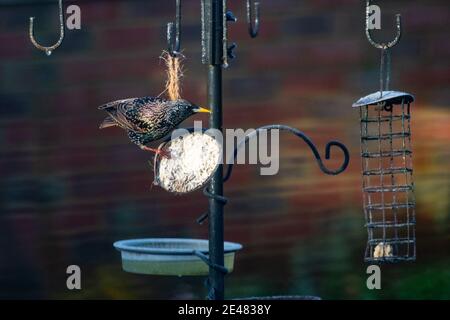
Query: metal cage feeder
column 388, row 187
column 387, row 169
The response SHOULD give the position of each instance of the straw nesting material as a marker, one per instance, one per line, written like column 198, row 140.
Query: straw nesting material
column 175, row 73
column 193, row 160
column 382, row 250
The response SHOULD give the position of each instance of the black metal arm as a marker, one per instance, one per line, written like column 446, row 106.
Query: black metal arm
column 305, row 138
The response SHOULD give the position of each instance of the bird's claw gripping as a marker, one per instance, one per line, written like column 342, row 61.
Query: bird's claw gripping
column 160, row 152
column 164, row 154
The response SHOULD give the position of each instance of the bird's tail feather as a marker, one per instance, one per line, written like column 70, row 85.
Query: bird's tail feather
column 108, row 122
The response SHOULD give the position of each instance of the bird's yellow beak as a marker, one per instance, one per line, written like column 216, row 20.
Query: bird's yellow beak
column 200, row 109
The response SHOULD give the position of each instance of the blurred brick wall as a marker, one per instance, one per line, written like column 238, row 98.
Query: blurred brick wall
column 68, row 190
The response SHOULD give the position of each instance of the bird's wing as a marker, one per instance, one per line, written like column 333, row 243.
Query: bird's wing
column 125, row 111
column 114, row 104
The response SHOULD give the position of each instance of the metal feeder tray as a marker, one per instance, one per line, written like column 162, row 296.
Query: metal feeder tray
column 171, row 257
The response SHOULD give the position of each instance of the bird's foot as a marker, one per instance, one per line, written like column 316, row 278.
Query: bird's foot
column 159, row 152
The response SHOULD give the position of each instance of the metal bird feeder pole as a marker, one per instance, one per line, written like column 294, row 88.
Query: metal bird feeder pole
column 213, row 24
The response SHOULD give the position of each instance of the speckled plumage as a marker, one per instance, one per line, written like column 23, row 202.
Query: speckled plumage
column 146, row 119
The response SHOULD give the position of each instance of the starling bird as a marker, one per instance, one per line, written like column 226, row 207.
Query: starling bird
column 148, row 119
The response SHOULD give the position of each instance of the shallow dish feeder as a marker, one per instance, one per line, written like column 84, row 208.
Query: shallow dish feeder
column 194, row 158
column 170, row 257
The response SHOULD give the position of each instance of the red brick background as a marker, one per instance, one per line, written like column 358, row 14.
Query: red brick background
column 69, row 190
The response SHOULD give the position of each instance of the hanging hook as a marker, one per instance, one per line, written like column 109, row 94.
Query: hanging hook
column 385, row 64
column 49, row 50
column 383, row 46
column 174, row 46
column 253, row 20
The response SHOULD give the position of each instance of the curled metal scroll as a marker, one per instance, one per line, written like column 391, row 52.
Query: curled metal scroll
column 308, row 141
